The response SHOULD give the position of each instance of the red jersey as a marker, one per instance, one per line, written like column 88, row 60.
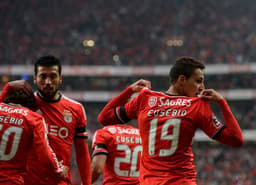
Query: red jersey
column 21, row 130
column 122, row 145
column 65, row 119
column 167, row 125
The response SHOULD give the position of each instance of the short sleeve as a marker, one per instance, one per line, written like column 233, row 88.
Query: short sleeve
column 81, row 130
column 101, row 140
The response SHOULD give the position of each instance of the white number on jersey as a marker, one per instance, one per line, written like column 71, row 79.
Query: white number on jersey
column 17, row 131
column 130, row 157
column 174, row 137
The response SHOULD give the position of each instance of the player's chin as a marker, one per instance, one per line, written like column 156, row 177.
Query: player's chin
column 48, row 94
column 196, row 95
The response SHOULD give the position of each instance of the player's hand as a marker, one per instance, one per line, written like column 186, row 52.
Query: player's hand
column 64, row 172
column 21, row 85
column 211, row 95
column 140, row 84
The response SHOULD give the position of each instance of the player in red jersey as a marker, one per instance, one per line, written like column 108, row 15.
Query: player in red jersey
column 116, row 154
column 66, row 123
column 22, row 130
column 168, row 121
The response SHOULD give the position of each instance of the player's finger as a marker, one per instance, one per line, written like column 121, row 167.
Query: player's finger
column 145, row 83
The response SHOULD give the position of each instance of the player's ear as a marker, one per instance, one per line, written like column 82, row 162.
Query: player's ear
column 181, row 79
column 60, row 79
column 34, row 79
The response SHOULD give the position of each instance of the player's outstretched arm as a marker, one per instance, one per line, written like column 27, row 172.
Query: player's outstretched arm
column 98, row 163
column 107, row 115
column 83, row 160
column 232, row 133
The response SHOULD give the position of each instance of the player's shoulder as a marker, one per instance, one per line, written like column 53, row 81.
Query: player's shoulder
column 103, row 133
column 111, row 129
column 197, row 103
column 70, row 101
column 200, row 100
column 149, row 92
column 32, row 117
column 34, row 114
column 147, row 96
column 146, row 93
column 72, row 104
column 114, row 129
column 121, row 129
column 146, row 90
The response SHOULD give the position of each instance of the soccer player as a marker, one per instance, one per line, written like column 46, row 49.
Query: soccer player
column 116, row 153
column 168, row 121
column 65, row 119
column 21, row 130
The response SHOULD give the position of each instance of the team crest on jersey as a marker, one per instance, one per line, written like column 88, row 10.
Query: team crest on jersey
column 67, row 116
column 152, row 101
column 216, row 122
column 112, row 130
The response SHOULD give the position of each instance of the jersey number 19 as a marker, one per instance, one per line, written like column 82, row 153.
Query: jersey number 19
column 165, row 135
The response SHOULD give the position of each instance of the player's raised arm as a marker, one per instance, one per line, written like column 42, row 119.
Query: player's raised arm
column 231, row 135
column 18, row 85
column 107, row 115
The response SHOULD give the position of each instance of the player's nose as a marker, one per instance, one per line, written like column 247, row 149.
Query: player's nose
column 48, row 81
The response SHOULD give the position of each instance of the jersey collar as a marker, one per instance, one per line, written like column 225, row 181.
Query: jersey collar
column 49, row 101
column 173, row 94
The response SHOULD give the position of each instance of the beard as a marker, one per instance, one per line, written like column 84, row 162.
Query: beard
column 49, row 95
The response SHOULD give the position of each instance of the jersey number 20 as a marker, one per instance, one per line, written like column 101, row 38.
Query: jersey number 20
column 130, row 157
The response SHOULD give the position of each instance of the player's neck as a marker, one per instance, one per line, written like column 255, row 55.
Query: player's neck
column 14, row 104
column 174, row 90
column 56, row 97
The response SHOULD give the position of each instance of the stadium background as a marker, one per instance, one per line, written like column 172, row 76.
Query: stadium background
column 104, row 46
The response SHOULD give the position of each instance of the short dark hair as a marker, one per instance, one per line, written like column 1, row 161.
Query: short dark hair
column 47, row 61
column 22, row 98
column 184, row 66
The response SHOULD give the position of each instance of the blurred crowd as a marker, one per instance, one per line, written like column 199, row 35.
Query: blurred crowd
column 128, row 32
column 118, row 83
column 221, row 165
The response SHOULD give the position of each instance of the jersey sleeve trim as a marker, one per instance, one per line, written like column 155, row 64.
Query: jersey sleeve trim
column 99, row 153
column 218, row 132
column 81, row 133
column 121, row 115
column 100, row 149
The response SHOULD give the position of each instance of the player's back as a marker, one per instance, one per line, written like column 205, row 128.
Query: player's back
column 123, row 147
column 167, row 125
column 16, row 137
